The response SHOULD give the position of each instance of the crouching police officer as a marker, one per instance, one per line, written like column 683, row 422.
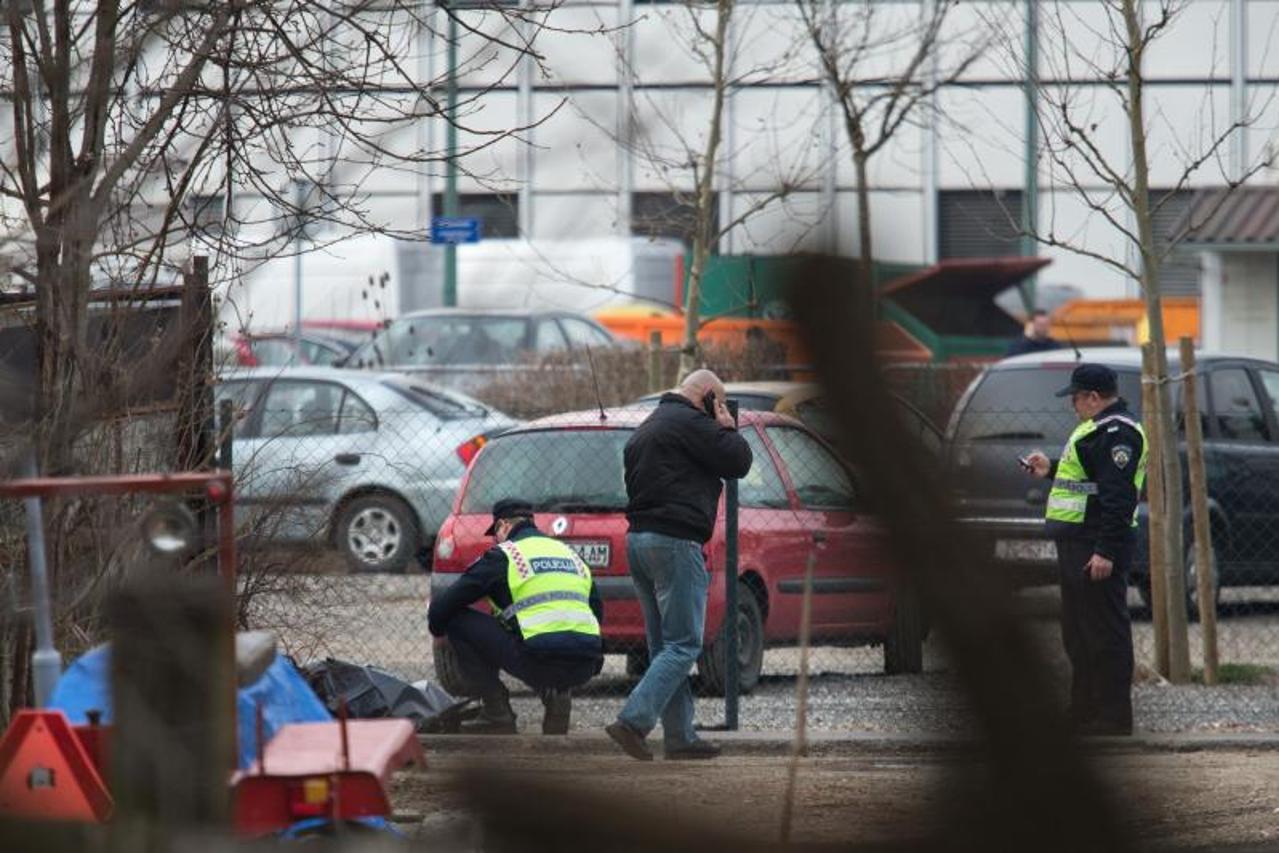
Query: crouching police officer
column 1092, row 513
column 545, row 630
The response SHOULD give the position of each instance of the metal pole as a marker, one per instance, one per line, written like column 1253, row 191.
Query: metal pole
column 226, row 421
column 450, row 173
column 931, row 231
column 1239, row 86
column 1030, row 193
column 524, row 106
column 625, row 118
column 298, row 198
column 46, row 663
column 732, row 677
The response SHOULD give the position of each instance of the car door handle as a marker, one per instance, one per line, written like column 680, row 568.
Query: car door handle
column 1036, row 497
column 347, row 459
column 819, row 536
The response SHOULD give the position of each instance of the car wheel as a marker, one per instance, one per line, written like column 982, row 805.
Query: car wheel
column 1192, row 583
column 712, row 665
column 1192, row 587
column 448, row 671
column 904, row 645
column 637, row 663
column 377, row 533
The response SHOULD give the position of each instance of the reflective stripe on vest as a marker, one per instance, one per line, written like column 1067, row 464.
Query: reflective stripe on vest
column 550, row 588
column 543, row 598
column 1068, row 498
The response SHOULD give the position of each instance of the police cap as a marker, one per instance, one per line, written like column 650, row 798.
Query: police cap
column 1092, row 377
column 509, row 508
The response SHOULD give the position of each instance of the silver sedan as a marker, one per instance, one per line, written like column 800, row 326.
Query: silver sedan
column 369, row 462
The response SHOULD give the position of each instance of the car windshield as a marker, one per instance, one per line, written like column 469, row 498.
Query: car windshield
column 565, row 470
column 1019, row 405
column 446, row 340
column 445, row 405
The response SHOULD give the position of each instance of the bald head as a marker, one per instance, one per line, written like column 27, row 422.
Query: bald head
column 696, row 385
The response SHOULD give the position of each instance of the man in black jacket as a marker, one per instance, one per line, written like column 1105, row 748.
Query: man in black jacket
column 548, row 631
column 1091, row 514
column 675, row 464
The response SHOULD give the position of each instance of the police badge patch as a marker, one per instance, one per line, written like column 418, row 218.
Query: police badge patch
column 1122, row 454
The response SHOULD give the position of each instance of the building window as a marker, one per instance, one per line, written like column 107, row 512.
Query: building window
column 978, row 223
column 205, row 212
column 499, row 214
column 1179, row 273
column 669, row 215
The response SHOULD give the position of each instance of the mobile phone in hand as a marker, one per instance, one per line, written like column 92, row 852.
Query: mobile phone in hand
column 1024, row 462
column 708, row 403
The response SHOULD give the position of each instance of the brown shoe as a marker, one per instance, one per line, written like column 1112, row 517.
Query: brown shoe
column 631, row 741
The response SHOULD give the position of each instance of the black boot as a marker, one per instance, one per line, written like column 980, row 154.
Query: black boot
column 496, row 717
column 559, row 706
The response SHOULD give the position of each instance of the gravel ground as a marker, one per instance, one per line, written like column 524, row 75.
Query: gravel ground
column 382, row 620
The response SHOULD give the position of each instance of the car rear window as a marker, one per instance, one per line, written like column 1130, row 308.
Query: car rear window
column 1019, row 405
column 443, row 404
column 565, row 470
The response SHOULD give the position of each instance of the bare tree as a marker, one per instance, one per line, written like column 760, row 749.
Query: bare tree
column 141, row 132
column 1090, row 85
column 124, row 113
column 883, row 67
column 663, row 139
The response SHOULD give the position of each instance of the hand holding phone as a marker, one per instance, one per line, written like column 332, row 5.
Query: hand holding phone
column 708, row 403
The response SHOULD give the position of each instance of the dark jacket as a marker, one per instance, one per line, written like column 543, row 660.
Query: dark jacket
column 1026, row 344
column 486, row 578
column 1110, row 456
column 675, row 464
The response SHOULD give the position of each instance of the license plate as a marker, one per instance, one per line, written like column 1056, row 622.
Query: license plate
column 594, row 554
column 1026, row 550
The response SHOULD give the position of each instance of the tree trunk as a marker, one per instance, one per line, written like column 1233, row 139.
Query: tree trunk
column 865, row 265
column 1178, row 641
column 704, row 234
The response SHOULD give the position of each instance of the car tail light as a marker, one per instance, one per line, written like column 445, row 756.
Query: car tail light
column 444, row 547
column 466, row 450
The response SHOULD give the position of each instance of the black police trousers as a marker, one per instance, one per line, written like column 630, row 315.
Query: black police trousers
column 1097, row 633
column 484, row 648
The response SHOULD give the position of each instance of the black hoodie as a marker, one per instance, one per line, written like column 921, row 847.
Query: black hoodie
column 675, row 463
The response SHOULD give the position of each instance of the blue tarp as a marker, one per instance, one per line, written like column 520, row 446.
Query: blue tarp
column 283, row 693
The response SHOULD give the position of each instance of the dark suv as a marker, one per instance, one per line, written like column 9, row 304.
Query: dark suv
column 1010, row 410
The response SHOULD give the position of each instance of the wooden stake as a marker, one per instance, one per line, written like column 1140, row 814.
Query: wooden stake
column 654, row 361
column 1156, row 517
column 1205, row 565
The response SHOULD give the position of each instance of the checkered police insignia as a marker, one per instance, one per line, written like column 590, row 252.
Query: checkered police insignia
column 1122, row 454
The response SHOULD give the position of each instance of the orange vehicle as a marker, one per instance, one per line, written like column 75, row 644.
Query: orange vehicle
column 1122, row 321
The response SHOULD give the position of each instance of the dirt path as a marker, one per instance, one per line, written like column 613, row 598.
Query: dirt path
column 1199, row 799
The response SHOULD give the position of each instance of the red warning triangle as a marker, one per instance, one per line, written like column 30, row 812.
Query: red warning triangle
column 45, row 773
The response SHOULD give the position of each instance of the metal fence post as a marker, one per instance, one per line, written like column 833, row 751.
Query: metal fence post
column 732, row 678
column 226, row 426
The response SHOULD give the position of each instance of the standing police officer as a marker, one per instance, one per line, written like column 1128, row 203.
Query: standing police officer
column 1092, row 513
column 545, row 630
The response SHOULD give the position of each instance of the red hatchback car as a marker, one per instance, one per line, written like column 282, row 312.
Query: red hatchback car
column 798, row 499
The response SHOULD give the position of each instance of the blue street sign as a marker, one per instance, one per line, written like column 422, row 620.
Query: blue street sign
column 455, row 229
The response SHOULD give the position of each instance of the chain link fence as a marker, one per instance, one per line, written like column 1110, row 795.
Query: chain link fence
column 1012, row 411
column 369, row 468
column 354, row 504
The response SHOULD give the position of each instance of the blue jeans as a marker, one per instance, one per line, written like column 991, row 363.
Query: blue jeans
column 670, row 580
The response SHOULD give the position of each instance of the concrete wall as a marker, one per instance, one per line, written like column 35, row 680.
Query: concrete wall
column 1240, row 309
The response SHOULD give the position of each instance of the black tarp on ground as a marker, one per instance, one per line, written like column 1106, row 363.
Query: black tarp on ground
column 372, row 693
